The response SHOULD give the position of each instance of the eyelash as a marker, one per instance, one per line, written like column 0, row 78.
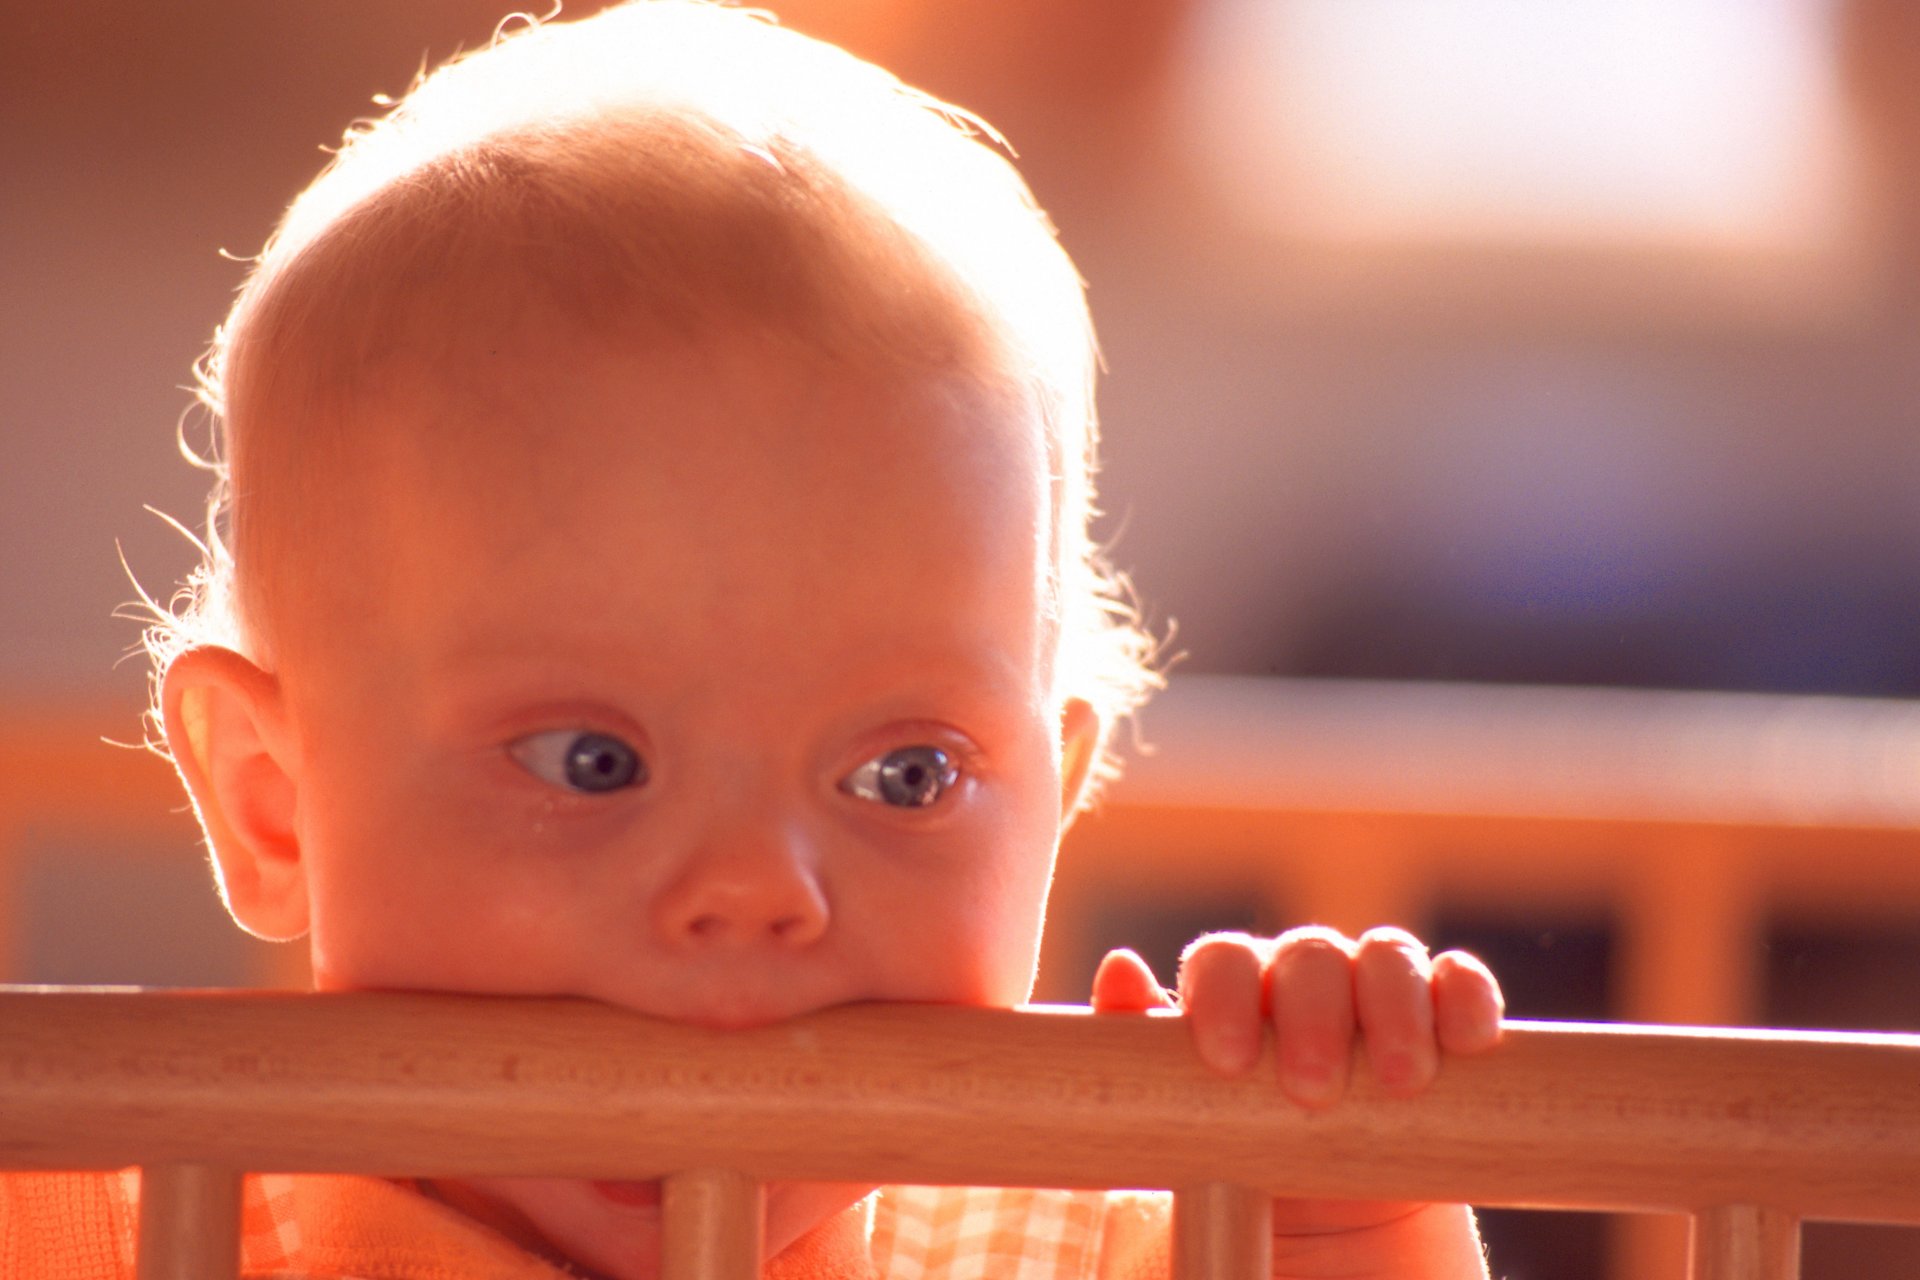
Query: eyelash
column 590, row 763
column 887, row 779
column 583, row 761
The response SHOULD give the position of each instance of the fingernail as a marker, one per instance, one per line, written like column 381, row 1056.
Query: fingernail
column 1229, row 1051
column 1402, row 1072
column 1311, row 1082
column 1395, row 1070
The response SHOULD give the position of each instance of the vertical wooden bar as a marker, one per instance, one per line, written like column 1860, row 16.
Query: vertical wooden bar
column 1692, row 920
column 189, row 1223
column 1360, row 872
column 1222, row 1232
column 1648, row 1246
column 1745, row 1242
column 712, row 1226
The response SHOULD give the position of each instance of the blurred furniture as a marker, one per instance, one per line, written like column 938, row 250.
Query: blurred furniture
column 1691, row 821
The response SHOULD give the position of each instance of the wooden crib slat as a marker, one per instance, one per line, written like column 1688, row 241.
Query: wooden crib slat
column 189, row 1222
column 712, row 1226
column 1222, row 1232
column 1745, row 1242
column 426, row 1086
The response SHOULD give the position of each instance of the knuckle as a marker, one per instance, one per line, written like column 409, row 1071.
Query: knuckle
column 1315, row 946
column 1210, row 948
column 1394, row 946
column 1463, row 963
column 1221, row 966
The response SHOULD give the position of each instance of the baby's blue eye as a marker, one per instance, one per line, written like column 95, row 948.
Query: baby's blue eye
column 909, row 778
column 590, row 762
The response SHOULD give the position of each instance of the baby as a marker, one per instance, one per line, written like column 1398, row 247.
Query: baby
column 651, row 564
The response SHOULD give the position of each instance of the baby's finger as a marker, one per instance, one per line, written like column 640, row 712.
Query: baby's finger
column 1393, row 996
column 1220, row 993
column 1124, row 984
column 1467, row 1003
column 1310, row 992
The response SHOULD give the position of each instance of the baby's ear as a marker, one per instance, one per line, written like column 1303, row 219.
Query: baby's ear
column 225, row 725
column 1080, row 734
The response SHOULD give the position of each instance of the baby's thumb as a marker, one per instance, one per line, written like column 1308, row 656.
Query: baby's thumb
column 1124, row 984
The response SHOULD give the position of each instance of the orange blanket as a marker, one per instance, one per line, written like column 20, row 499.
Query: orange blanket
column 80, row 1226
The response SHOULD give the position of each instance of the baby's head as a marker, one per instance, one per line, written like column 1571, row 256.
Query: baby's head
column 675, row 168
column 652, row 561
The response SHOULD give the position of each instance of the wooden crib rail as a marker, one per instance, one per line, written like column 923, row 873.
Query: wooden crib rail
column 1749, row 1131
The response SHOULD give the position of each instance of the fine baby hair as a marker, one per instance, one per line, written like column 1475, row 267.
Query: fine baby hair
column 672, row 163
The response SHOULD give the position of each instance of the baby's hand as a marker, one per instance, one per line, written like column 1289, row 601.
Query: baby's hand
column 1319, row 989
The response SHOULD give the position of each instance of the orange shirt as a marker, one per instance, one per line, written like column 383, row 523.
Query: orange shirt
column 80, row 1226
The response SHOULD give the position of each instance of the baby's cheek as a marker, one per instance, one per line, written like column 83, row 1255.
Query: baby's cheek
column 1002, row 940
column 411, row 908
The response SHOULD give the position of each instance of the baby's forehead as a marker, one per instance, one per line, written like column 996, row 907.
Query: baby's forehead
column 586, row 476
column 544, row 403
column 458, row 404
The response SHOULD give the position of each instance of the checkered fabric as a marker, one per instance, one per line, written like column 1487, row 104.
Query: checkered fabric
column 80, row 1227
column 270, row 1234
column 987, row 1233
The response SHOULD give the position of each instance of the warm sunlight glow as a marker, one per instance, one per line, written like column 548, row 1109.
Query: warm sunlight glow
column 1669, row 123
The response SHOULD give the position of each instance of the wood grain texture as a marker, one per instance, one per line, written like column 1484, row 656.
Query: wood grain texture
column 189, row 1223
column 1745, row 1242
column 713, row 1226
column 412, row 1085
column 1222, row 1232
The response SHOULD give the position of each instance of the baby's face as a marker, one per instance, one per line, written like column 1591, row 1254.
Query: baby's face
column 711, row 682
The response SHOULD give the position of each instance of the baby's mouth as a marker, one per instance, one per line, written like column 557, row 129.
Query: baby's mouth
column 632, row 1195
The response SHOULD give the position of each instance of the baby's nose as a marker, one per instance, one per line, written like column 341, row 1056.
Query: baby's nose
column 750, row 887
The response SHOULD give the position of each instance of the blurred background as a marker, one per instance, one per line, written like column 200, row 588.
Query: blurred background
column 1468, row 343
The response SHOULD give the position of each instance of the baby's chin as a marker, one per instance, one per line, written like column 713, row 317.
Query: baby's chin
column 612, row 1227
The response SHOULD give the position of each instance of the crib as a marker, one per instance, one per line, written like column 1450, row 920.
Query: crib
column 1691, row 820
column 1748, row 1132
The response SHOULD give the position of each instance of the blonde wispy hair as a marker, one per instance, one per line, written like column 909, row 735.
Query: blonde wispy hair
column 697, row 160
